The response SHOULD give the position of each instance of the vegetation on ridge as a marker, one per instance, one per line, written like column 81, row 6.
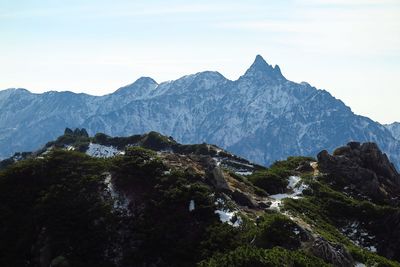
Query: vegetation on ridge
column 155, row 207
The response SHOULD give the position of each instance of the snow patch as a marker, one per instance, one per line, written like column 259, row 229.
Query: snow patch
column 293, row 186
column 69, row 148
column 357, row 233
column 100, row 151
column 276, row 204
column 191, row 205
column 217, row 161
column 293, row 180
column 226, row 216
column 244, row 173
column 229, row 217
column 120, row 202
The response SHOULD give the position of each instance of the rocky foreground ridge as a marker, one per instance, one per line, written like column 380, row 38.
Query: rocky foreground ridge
column 147, row 200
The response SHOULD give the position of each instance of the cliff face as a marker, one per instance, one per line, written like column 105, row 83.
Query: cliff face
column 364, row 168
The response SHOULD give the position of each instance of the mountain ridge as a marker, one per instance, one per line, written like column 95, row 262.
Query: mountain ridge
column 277, row 117
column 147, row 200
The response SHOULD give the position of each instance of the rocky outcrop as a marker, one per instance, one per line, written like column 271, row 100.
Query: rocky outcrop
column 217, row 179
column 244, row 199
column 333, row 253
column 364, row 169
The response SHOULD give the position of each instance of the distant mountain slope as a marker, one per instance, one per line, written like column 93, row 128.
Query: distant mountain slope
column 261, row 116
column 394, row 128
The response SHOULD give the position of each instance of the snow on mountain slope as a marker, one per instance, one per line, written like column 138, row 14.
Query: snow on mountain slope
column 394, row 128
column 261, row 116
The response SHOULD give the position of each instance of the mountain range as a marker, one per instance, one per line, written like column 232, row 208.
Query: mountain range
column 261, row 116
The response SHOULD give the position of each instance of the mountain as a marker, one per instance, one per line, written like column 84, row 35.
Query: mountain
column 147, row 200
column 394, row 128
column 261, row 116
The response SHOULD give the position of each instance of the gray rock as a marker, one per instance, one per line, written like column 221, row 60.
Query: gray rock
column 244, row 199
column 333, row 253
column 218, row 180
column 364, row 168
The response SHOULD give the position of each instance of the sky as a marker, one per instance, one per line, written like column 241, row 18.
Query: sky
column 350, row 48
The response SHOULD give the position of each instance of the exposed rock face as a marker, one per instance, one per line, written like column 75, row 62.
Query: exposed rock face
column 365, row 169
column 244, row 199
column 334, row 254
column 219, row 181
column 305, row 167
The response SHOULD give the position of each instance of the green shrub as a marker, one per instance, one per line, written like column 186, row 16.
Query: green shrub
column 274, row 180
column 56, row 201
column 139, row 166
column 371, row 259
column 277, row 230
column 247, row 256
column 291, row 163
column 270, row 181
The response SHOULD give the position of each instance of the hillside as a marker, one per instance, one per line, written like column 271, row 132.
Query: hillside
column 146, row 200
column 262, row 116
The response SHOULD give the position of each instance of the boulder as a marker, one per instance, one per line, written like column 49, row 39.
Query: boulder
column 244, row 199
column 218, row 180
column 362, row 167
column 304, row 167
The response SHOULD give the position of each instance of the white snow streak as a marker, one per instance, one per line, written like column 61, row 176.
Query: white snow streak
column 191, row 205
column 293, row 186
column 229, row 217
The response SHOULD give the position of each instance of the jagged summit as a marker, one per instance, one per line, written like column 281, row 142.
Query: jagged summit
column 261, row 70
column 260, row 60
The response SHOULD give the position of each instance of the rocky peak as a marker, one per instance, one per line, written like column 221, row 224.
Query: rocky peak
column 364, row 168
column 260, row 69
column 204, row 76
column 140, row 86
column 145, row 81
column 14, row 92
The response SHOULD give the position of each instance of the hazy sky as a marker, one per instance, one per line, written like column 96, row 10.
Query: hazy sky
column 350, row 48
